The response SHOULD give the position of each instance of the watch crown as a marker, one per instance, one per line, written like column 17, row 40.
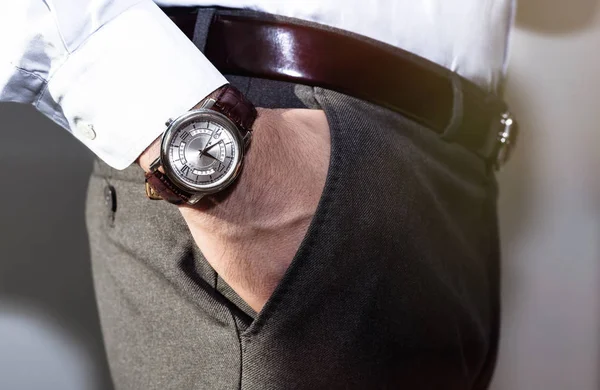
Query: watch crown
column 169, row 122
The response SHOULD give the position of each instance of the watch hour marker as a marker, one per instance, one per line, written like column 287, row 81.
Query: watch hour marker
column 185, row 136
column 185, row 170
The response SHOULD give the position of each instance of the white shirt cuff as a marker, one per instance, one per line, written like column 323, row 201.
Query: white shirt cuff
column 118, row 89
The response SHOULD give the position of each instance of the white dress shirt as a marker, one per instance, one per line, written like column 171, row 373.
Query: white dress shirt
column 113, row 71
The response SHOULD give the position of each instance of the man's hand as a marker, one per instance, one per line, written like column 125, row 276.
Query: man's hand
column 251, row 232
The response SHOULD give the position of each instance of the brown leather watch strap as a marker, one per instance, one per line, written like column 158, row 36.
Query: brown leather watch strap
column 159, row 186
column 230, row 102
column 234, row 105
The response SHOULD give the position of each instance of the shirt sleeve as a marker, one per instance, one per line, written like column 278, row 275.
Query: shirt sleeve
column 109, row 71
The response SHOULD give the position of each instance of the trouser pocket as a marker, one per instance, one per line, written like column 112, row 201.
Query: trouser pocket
column 391, row 280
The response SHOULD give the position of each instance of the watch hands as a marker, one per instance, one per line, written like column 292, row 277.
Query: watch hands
column 209, row 155
column 210, row 147
column 206, row 149
column 207, row 142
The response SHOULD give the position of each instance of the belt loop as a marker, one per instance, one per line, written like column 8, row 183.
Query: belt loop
column 456, row 122
column 204, row 19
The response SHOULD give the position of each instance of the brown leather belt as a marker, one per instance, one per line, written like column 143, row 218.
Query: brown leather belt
column 258, row 45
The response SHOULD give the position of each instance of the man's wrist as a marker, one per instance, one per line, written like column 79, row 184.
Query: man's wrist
column 149, row 155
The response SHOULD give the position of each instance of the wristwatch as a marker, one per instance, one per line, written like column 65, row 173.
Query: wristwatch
column 202, row 151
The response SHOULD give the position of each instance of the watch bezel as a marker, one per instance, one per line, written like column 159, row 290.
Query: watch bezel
column 196, row 116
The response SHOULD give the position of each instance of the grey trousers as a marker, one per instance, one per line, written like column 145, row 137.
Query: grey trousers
column 395, row 285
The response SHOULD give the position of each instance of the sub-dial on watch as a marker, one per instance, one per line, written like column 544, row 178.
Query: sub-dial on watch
column 202, row 151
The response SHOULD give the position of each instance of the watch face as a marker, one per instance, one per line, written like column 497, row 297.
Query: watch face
column 202, row 151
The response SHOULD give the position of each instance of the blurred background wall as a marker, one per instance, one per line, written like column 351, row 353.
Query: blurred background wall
column 49, row 329
column 549, row 202
column 549, row 210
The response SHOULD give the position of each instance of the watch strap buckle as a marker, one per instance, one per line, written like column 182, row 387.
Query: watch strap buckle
column 151, row 192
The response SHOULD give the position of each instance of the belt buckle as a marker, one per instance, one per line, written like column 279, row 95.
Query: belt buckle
column 507, row 138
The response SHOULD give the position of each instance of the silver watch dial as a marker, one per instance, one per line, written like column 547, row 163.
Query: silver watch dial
column 203, row 152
